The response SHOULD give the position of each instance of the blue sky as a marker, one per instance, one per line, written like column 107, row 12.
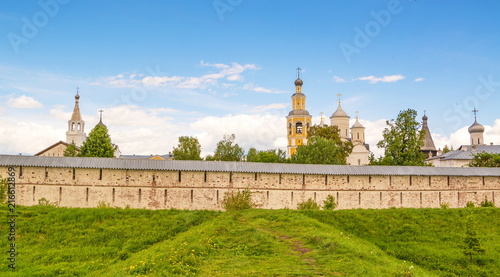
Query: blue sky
column 163, row 69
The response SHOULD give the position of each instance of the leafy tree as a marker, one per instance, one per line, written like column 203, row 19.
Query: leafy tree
column 209, row 158
column 484, row 159
column 71, row 150
column 98, row 143
column 446, row 149
column 319, row 151
column 471, row 243
column 268, row 156
column 308, row 205
column 329, row 203
column 227, row 150
column 240, row 200
column 324, row 146
column 402, row 142
column 189, row 148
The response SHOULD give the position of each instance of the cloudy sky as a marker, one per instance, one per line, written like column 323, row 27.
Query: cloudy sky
column 164, row 69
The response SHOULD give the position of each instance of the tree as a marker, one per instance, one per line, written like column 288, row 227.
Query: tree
column 227, row 150
column 402, row 142
column 268, row 156
column 98, row 143
column 446, row 149
column 484, row 159
column 471, row 243
column 324, row 146
column 189, row 148
column 308, row 205
column 319, row 151
column 71, row 150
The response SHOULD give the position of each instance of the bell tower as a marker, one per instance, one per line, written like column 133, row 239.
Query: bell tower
column 298, row 120
column 76, row 125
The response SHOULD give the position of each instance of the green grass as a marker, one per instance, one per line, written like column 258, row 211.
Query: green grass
column 127, row 242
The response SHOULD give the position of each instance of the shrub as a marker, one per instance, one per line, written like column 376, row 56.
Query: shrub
column 329, row 203
column 445, row 205
column 44, row 202
column 486, row 203
column 470, row 204
column 3, row 189
column 240, row 200
column 308, row 205
column 103, row 204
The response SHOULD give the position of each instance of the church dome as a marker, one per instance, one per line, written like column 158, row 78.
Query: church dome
column 77, row 96
column 424, row 118
column 357, row 124
column 339, row 112
column 298, row 82
column 476, row 128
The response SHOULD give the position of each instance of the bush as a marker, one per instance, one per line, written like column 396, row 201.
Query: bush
column 470, row 204
column 240, row 200
column 486, row 203
column 3, row 189
column 445, row 205
column 44, row 202
column 329, row 203
column 103, row 204
column 308, row 205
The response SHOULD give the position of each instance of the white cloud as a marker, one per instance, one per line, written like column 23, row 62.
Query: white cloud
column 275, row 106
column 419, row 79
column 252, row 87
column 23, row 101
column 385, row 79
column 338, row 79
column 230, row 72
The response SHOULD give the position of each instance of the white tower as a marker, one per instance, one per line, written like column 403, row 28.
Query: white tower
column 76, row 125
column 340, row 119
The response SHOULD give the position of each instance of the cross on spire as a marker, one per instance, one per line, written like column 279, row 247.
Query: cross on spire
column 339, row 97
column 298, row 72
column 100, row 119
column 357, row 114
column 77, row 88
column 475, row 112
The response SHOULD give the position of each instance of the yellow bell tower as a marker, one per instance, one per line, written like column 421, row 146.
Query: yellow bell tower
column 298, row 120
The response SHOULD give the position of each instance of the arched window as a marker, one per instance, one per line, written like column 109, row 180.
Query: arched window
column 298, row 128
column 72, row 126
column 78, row 127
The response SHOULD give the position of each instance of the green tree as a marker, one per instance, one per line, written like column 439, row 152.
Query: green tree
column 319, row 151
column 227, row 150
column 471, row 244
column 189, row 148
column 446, row 149
column 98, row 143
column 71, row 150
column 402, row 142
column 484, row 159
column 268, row 156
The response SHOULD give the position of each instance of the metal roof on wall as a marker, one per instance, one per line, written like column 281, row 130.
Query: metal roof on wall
column 133, row 164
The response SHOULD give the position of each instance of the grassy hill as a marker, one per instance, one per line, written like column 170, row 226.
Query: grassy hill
column 126, row 242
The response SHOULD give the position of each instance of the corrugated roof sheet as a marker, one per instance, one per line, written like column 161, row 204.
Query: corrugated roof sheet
column 468, row 154
column 139, row 164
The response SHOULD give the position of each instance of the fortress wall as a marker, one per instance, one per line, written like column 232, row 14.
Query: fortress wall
column 162, row 189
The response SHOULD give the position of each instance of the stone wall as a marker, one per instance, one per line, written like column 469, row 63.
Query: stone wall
column 165, row 189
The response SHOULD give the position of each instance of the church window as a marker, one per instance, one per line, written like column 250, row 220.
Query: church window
column 78, row 127
column 298, row 127
column 358, row 135
column 72, row 126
